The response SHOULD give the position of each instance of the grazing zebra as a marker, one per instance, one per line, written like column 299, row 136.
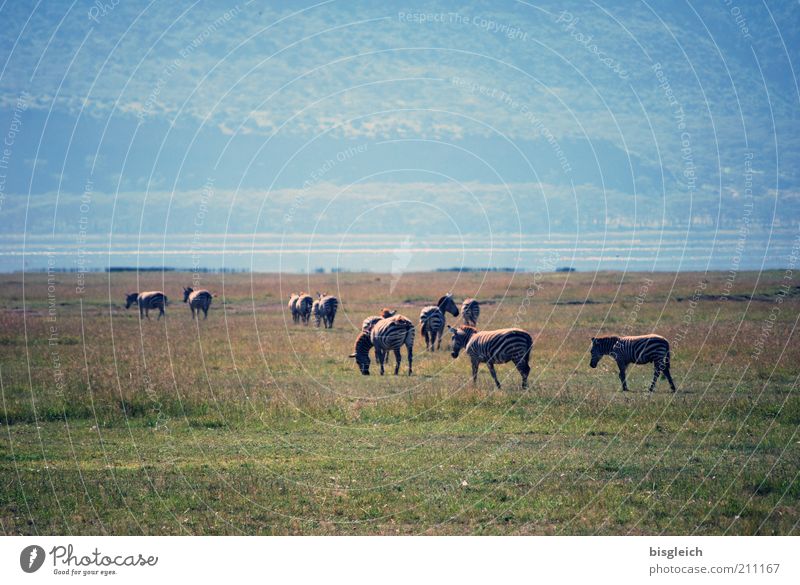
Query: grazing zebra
column 146, row 301
column 368, row 323
column 392, row 334
column 327, row 306
column 199, row 300
column 315, row 312
column 303, row 306
column 361, row 352
column 432, row 320
column 494, row 347
column 471, row 310
column 638, row 349
column 293, row 307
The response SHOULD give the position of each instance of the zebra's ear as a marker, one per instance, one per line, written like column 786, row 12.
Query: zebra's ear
column 594, row 339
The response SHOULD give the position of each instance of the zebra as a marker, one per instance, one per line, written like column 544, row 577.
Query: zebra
column 470, row 310
column 432, row 320
column 303, row 307
column 636, row 349
column 315, row 312
column 146, row 301
column 327, row 306
column 293, row 307
column 199, row 300
column 370, row 321
column 361, row 352
column 494, row 347
column 392, row 334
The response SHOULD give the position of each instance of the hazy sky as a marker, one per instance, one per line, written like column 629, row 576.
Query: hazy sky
column 376, row 116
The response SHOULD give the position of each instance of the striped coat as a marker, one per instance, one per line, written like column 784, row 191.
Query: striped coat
column 303, row 306
column 494, row 347
column 361, row 352
column 199, row 300
column 315, row 312
column 390, row 335
column 470, row 311
column 431, row 326
column 327, row 307
column 293, row 307
column 370, row 321
column 146, row 301
column 638, row 349
column 432, row 320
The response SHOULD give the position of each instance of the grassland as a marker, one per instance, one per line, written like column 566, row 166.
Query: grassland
column 248, row 424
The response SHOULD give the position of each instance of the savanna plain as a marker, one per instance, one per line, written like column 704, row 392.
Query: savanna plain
column 246, row 423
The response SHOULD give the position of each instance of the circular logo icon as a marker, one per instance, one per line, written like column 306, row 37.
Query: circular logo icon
column 31, row 558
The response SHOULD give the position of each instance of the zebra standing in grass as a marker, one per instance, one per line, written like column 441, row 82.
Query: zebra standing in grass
column 390, row 335
column 199, row 300
column 146, row 301
column 494, row 347
column 432, row 320
column 470, row 311
column 293, row 307
column 327, row 306
column 370, row 321
column 361, row 352
column 638, row 349
column 315, row 312
column 303, row 305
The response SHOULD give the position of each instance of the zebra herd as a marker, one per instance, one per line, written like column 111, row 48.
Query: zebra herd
column 198, row 300
column 390, row 332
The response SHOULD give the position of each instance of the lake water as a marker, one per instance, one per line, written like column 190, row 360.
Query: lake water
column 677, row 250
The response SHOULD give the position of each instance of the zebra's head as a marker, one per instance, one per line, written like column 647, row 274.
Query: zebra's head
column 600, row 346
column 447, row 304
column 131, row 299
column 386, row 313
column 361, row 352
column 461, row 337
column 187, row 290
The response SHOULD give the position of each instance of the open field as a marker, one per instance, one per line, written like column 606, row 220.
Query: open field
column 246, row 423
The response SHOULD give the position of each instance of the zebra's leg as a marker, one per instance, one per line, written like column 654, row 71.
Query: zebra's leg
column 161, row 313
column 205, row 313
column 656, row 374
column 475, row 365
column 493, row 373
column 410, row 349
column 425, row 335
column 397, row 361
column 622, row 377
column 380, row 356
column 669, row 378
column 441, row 334
column 524, row 370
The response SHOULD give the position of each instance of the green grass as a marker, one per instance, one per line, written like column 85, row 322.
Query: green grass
column 247, row 424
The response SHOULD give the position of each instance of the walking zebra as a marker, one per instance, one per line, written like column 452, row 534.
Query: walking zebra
column 470, row 310
column 327, row 306
column 368, row 323
column 199, row 300
column 293, row 307
column 146, row 301
column 392, row 334
column 494, row 347
column 303, row 307
column 432, row 320
column 638, row 349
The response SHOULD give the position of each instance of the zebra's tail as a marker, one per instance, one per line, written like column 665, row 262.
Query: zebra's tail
column 666, row 366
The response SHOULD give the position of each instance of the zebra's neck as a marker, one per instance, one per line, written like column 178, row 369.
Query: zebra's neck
column 607, row 343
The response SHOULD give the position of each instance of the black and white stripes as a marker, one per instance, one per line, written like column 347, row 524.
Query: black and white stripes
column 494, row 347
column 199, row 300
column 146, row 301
column 639, row 349
column 432, row 320
column 326, row 308
column 470, row 311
